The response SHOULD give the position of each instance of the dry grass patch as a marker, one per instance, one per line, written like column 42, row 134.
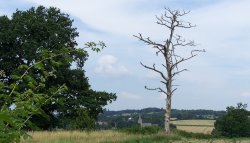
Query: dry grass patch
column 194, row 122
column 196, row 129
column 195, row 126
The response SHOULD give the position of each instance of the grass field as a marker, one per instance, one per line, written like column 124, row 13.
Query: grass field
column 107, row 136
column 195, row 126
column 117, row 137
column 114, row 136
column 76, row 137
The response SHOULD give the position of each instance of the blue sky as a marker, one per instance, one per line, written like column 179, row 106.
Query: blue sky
column 218, row 78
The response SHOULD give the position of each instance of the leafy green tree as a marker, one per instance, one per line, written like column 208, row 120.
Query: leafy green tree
column 235, row 123
column 21, row 100
column 29, row 39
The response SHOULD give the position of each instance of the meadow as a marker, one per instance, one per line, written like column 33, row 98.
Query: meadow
column 112, row 136
column 188, row 131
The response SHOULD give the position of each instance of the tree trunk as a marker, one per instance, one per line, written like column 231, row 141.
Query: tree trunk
column 167, row 115
column 170, row 20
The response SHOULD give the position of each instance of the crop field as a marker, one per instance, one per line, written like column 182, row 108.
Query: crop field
column 195, row 126
column 196, row 129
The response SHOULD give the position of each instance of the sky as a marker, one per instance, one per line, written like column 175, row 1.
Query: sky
column 218, row 78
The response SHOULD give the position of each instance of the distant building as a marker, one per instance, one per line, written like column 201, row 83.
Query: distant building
column 140, row 120
column 126, row 114
column 145, row 124
column 101, row 123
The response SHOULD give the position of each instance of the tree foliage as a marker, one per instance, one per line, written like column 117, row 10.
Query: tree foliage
column 23, row 99
column 39, row 87
column 235, row 123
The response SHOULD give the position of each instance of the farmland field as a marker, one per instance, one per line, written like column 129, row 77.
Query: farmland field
column 194, row 122
column 195, row 126
column 196, row 129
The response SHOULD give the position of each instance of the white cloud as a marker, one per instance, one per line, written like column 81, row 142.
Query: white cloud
column 245, row 94
column 129, row 95
column 152, row 75
column 111, row 16
column 107, row 65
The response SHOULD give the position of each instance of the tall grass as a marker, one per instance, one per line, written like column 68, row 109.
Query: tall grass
column 76, row 137
column 142, row 130
column 107, row 136
column 113, row 136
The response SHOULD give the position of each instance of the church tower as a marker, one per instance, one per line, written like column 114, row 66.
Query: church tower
column 140, row 120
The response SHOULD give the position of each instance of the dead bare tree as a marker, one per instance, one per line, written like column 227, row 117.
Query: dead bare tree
column 170, row 19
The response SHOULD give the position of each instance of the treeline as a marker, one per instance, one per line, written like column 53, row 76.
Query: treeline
column 126, row 118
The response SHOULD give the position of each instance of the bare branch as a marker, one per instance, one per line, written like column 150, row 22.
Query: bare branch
column 184, row 13
column 173, row 91
column 182, row 42
column 178, row 72
column 162, row 21
column 193, row 54
column 164, row 82
column 183, row 24
column 148, row 40
column 155, row 45
column 159, row 50
column 154, row 69
column 193, row 51
column 164, row 66
column 158, row 88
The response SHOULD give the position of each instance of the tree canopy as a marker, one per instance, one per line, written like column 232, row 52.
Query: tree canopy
column 37, row 51
column 235, row 123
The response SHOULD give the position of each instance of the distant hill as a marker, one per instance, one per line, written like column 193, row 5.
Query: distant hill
column 125, row 118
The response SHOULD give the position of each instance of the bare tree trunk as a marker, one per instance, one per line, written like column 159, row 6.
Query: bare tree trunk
column 168, row 115
column 168, row 105
column 170, row 20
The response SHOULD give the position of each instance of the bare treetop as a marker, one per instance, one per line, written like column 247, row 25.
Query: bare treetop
column 173, row 21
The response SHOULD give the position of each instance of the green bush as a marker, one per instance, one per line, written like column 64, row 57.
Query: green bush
column 173, row 126
column 235, row 123
column 142, row 130
column 191, row 135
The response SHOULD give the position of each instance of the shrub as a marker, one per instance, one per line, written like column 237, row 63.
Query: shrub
column 142, row 130
column 173, row 126
column 235, row 123
column 191, row 135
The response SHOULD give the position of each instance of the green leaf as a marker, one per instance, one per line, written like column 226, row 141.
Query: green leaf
column 39, row 66
column 4, row 116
